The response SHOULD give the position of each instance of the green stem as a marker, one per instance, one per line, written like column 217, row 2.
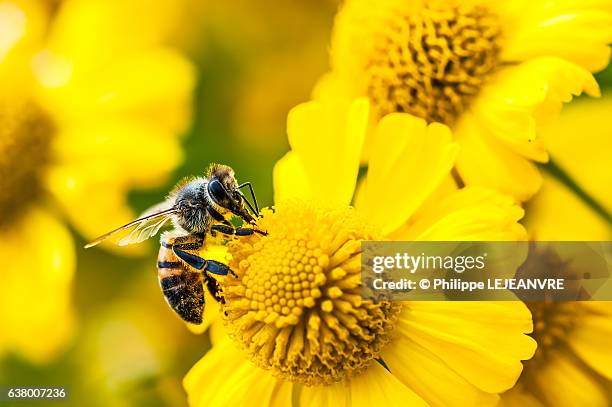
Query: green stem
column 559, row 173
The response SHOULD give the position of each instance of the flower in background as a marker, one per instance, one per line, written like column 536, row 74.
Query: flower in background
column 91, row 104
column 295, row 308
column 572, row 366
column 492, row 71
column 588, row 164
column 573, row 363
column 129, row 348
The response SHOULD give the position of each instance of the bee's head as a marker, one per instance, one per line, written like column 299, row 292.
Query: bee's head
column 225, row 191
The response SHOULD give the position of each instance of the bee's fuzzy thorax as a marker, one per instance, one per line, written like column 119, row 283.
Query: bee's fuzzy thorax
column 180, row 185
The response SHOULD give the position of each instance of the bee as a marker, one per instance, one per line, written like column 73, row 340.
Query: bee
column 197, row 207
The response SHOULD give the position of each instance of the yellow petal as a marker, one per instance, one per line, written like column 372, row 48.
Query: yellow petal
column 484, row 342
column 377, row 386
column 562, row 383
column 591, row 339
column 472, row 214
column 499, row 135
column 519, row 99
column 537, row 86
column 580, row 222
column 431, row 378
column 587, row 163
column 23, row 24
column 519, row 396
column 576, row 30
column 224, row 377
column 328, row 139
column 217, row 331
column 486, row 162
column 408, row 161
column 153, row 86
column 35, row 308
column 95, row 32
column 106, row 206
column 334, row 395
column 99, row 165
column 113, row 150
column 330, row 87
column 290, row 179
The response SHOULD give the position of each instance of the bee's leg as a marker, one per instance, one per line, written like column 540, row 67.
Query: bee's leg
column 199, row 263
column 218, row 268
column 186, row 247
column 230, row 230
column 189, row 242
column 214, row 288
column 192, row 260
column 218, row 217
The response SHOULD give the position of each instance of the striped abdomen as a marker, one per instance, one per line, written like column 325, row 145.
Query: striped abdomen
column 182, row 286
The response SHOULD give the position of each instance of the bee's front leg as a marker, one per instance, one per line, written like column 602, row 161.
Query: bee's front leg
column 218, row 268
column 230, row 230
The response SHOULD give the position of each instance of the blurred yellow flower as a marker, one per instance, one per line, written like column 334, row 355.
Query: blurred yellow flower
column 129, row 348
column 295, row 308
column 91, row 103
column 573, row 363
column 493, row 71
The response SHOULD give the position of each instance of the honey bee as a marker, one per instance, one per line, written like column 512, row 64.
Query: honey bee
column 197, row 207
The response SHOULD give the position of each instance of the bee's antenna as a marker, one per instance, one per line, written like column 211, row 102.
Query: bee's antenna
column 249, row 204
column 248, row 184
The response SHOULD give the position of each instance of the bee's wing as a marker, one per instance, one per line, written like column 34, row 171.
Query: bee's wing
column 142, row 228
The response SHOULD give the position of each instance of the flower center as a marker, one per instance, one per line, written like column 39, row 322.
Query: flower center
column 296, row 306
column 552, row 322
column 25, row 141
column 430, row 62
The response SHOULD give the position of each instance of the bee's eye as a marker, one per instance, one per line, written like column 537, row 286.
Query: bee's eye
column 217, row 191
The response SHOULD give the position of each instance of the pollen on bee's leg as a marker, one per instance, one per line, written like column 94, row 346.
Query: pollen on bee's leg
column 295, row 306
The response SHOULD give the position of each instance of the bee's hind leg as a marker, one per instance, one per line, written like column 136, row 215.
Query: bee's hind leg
column 214, row 288
column 189, row 242
column 199, row 263
column 186, row 247
column 192, row 260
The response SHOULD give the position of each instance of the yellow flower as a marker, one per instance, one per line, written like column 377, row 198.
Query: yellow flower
column 573, row 364
column 492, row 71
column 91, row 103
column 295, row 308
